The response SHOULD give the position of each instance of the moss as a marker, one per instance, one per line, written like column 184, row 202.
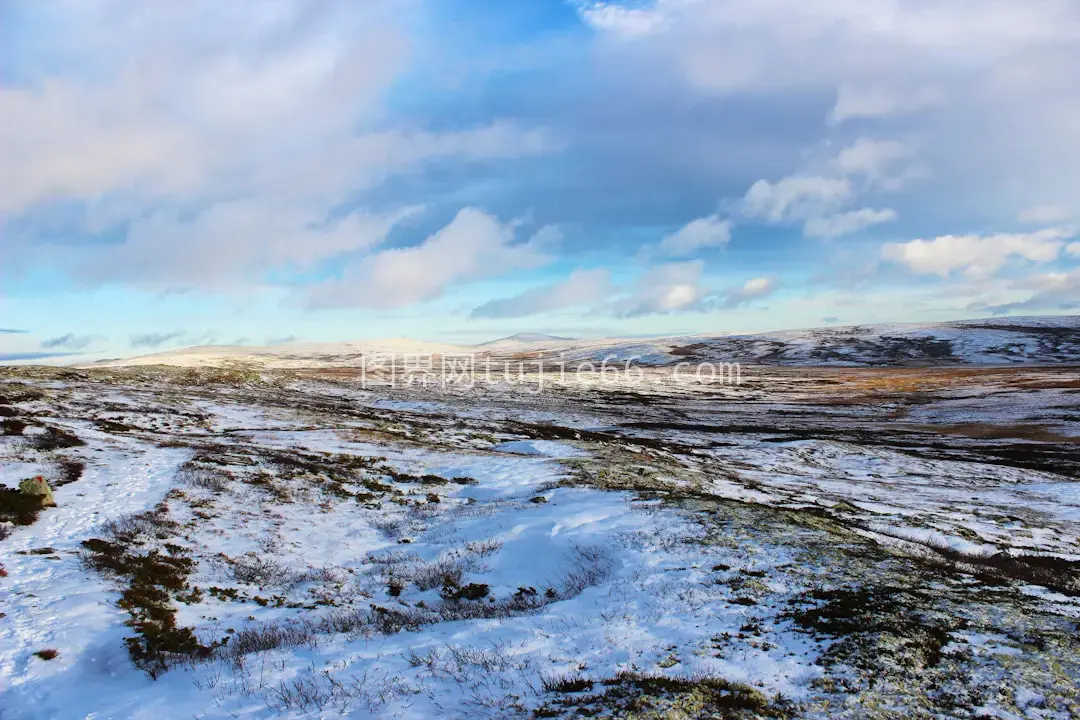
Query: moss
column 112, row 426
column 633, row 695
column 873, row 624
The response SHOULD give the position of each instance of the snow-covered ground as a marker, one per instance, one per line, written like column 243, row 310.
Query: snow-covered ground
column 809, row 544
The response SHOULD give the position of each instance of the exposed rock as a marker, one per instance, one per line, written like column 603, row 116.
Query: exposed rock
column 38, row 486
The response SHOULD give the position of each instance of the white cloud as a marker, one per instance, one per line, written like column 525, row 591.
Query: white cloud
column 671, row 287
column 876, row 101
column 621, row 21
column 583, row 286
column 831, row 226
column 473, row 245
column 1044, row 214
column 982, row 91
column 751, row 290
column 1052, row 291
column 786, row 43
column 220, row 141
column 877, row 160
column 231, row 242
column 191, row 109
column 795, row 197
column 818, row 200
column 707, row 232
column 1073, row 249
column 975, row 255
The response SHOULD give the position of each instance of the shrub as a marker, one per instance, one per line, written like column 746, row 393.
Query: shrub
column 11, row 392
column 440, row 573
column 19, row 507
column 55, row 439
column 111, row 426
column 631, row 694
column 591, row 566
column 138, row 528
column 264, row 572
column 153, row 581
column 195, row 475
column 463, row 480
column 13, row 426
column 472, row 591
column 566, row 684
column 68, row 471
column 232, row 374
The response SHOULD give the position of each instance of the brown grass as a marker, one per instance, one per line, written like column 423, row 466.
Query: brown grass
column 986, row 431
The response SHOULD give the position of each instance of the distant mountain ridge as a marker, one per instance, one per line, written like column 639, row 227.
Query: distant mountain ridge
column 999, row 341
column 995, row 341
column 525, row 338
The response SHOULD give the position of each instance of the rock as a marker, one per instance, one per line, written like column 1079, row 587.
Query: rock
column 38, row 486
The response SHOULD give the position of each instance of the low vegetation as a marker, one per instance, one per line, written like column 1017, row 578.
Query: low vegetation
column 18, row 507
column 318, row 553
column 638, row 695
column 154, row 580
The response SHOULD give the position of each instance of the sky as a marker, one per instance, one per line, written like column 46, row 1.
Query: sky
column 280, row 171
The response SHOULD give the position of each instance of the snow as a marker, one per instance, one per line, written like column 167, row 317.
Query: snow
column 646, row 575
column 651, row 580
column 546, row 448
column 538, row 542
column 991, row 341
column 53, row 602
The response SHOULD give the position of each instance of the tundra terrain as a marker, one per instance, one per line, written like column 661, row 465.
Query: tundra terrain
column 813, row 542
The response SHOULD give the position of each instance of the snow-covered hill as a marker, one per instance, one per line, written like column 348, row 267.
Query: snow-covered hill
column 1001, row 341
column 301, row 355
column 998, row 341
column 523, row 339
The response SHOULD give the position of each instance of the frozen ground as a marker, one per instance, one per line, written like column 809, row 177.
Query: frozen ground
column 813, row 543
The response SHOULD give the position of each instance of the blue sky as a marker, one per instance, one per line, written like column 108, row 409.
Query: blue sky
column 317, row 170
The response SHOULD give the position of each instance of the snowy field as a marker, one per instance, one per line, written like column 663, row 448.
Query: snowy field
column 812, row 543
